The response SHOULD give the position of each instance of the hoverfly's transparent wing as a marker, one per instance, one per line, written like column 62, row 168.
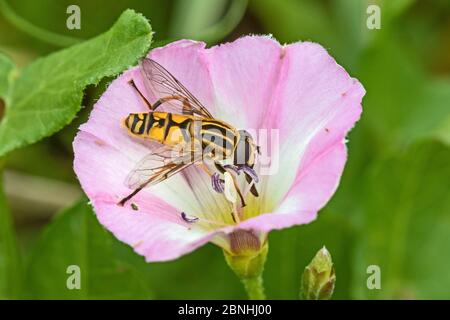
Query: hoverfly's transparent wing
column 157, row 166
column 174, row 96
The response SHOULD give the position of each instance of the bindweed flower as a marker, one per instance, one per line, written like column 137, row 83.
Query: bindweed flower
column 295, row 100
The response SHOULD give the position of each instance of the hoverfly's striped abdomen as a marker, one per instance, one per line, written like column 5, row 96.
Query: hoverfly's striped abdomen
column 216, row 138
column 136, row 123
column 166, row 128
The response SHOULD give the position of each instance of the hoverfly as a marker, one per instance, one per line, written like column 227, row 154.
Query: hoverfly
column 186, row 133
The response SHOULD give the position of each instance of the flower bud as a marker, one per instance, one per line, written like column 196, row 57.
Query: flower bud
column 319, row 278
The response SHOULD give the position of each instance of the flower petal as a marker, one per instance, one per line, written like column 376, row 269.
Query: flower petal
column 151, row 225
column 156, row 238
column 310, row 192
column 243, row 74
column 185, row 60
column 316, row 104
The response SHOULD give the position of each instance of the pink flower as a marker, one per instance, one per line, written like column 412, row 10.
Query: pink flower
column 251, row 83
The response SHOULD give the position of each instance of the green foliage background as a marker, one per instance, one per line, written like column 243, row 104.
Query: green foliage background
column 392, row 208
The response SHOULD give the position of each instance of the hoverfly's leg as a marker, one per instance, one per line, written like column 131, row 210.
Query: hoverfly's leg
column 252, row 179
column 187, row 109
column 131, row 195
column 251, row 186
column 149, row 105
column 220, row 167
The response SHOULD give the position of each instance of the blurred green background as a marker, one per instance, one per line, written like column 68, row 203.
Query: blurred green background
column 392, row 208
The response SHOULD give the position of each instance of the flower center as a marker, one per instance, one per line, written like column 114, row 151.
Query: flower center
column 234, row 185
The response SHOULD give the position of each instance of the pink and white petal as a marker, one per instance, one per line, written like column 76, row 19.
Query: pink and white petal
column 311, row 190
column 102, row 170
column 243, row 74
column 151, row 236
column 316, row 183
column 156, row 229
column 115, row 104
column 318, row 103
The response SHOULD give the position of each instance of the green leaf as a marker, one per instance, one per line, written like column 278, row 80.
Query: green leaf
column 402, row 104
column 294, row 20
column 443, row 131
column 75, row 238
column 437, row 100
column 10, row 265
column 405, row 230
column 7, row 70
column 48, row 93
column 50, row 16
column 340, row 25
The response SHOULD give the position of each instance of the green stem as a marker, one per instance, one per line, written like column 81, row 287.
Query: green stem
column 254, row 288
column 192, row 19
column 230, row 21
column 35, row 31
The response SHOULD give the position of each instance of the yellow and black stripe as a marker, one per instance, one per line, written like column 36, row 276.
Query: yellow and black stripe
column 219, row 138
column 216, row 137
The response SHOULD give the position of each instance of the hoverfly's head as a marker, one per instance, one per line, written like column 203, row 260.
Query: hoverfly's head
column 246, row 150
